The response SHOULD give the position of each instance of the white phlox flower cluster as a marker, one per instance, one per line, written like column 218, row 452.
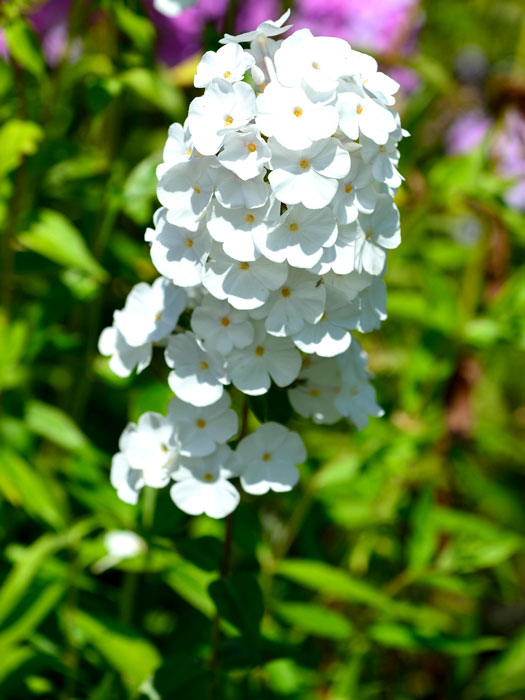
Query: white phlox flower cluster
column 277, row 215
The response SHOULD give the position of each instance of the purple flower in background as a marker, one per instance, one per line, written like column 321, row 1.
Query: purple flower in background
column 509, row 153
column 467, row 131
column 374, row 25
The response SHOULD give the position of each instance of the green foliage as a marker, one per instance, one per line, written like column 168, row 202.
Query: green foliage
column 396, row 568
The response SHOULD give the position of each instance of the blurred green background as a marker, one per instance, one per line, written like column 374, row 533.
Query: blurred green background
column 396, row 569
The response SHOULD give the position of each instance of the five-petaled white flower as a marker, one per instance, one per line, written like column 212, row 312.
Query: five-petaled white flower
column 230, row 62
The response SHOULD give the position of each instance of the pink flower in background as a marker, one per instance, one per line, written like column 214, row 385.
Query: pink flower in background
column 373, row 25
column 509, row 153
column 467, row 131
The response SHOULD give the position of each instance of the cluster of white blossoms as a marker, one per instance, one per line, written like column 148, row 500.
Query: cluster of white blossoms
column 277, row 215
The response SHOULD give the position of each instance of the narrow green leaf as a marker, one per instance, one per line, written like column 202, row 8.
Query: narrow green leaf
column 317, row 620
column 18, row 139
column 54, row 237
column 12, row 658
column 56, row 426
column 33, row 615
column 24, row 47
column 423, row 538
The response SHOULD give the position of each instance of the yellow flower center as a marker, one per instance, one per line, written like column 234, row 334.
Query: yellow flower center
column 252, row 147
column 244, row 266
column 164, row 447
column 382, row 149
column 158, row 315
column 359, row 109
column 196, row 189
column 369, row 235
column 285, row 292
column 259, row 350
column 203, row 365
column 316, row 65
column 314, row 393
column 298, row 111
column 228, row 120
column 188, row 243
column 227, row 74
column 249, row 218
column 348, row 188
column 266, row 457
column 304, row 164
column 293, row 226
column 200, row 423
column 188, row 152
column 208, row 477
column 225, row 321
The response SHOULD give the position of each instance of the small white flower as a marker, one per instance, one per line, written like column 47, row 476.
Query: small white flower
column 300, row 236
column 295, row 119
column 177, row 253
column 357, row 401
column 220, row 326
column 383, row 160
column 197, row 376
column 151, row 312
column 365, row 73
column 223, row 107
column 202, row 485
column 124, row 357
column 201, row 429
column 233, row 191
column 330, row 335
column 356, row 193
column 308, row 176
column 268, row 457
column 316, row 62
column 245, row 284
column 373, row 234
column 230, row 62
column 318, row 384
column 245, row 153
column 252, row 368
column 300, row 300
column 368, row 311
column 265, row 29
column 120, row 545
column 361, row 114
column 238, row 229
column 150, row 447
column 185, row 189
column 348, row 286
column 178, row 148
column 127, row 481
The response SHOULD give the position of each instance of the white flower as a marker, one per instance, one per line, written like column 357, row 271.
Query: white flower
column 368, row 311
column 301, row 299
column 201, row 429
column 124, row 357
column 317, row 386
column 361, row 114
column 357, row 401
column 268, row 457
column 202, row 485
column 383, row 160
column 348, row 286
column 233, row 191
column 265, row 29
column 178, row 147
column 127, row 481
column 197, row 376
column 171, row 8
column 151, row 312
column 314, row 62
column 356, row 193
column 220, row 326
column 330, row 335
column 365, row 73
column 150, row 446
column 223, row 107
column 308, row 176
column 300, row 236
column 120, row 545
column 295, row 119
column 230, row 62
column 185, row 189
column 245, row 152
column 252, row 368
column 245, row 284
column 177, row 253
column 238, row 229
column 372, row 234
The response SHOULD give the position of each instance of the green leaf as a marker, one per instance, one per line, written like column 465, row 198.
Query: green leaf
column 18, row 139
column 191, row 583
column 56, row 426
column 134, row 657
column 13, row 343
column 423, row 539
column 317, row 620
column 506, row 674
column 139, row 29
column 153, row 88
column 54, row 237
column 33, row 615
column 12, row 658
column 140, row 189
column 24, row 47
column 24, row 486
column 239, row 600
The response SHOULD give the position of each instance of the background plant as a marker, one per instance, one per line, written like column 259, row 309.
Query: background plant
column 397, row 571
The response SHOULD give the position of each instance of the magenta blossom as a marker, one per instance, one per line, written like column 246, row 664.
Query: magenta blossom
column 509, row 153
column 467, row 131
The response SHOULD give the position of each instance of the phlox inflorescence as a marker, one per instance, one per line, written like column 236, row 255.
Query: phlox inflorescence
column 277, row 215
